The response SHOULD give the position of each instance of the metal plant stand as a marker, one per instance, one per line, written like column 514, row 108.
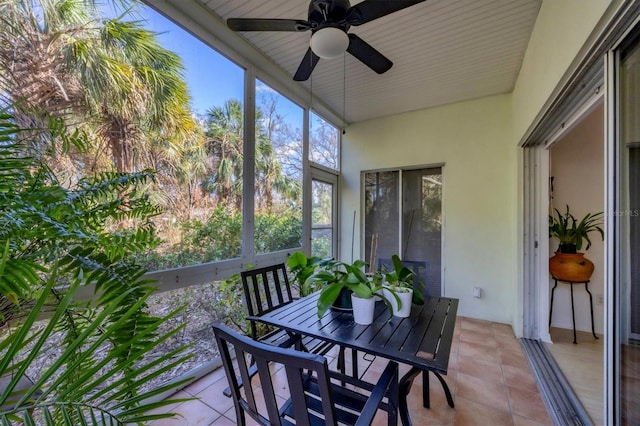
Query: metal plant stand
column 573, row 314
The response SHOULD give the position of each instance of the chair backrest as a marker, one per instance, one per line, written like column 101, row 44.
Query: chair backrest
column 265, row 289
column 262, row 405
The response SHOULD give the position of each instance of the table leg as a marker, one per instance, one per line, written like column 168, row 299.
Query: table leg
column 445, row 387
column 553, row 290
column 426, row 403
column 405, row 386
column 593, row 329
column 573, row 316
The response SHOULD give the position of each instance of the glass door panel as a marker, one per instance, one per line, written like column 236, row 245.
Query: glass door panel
column 628, row 221
column 422, row 225
column 405, row 220
column 322, row 218
column 382, row 215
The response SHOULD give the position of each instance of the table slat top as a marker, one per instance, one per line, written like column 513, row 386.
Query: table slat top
column 422, row 340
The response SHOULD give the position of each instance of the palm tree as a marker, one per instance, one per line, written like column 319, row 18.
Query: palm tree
column 225, row 132
column 278, row 157
column 61, row 57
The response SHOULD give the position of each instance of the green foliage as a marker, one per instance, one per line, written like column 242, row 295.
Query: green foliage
column 220, row 237
column 302, row 267
column 55, row 240
column 402, row 277
column 571, row 233
column 229, row 302
column 278, row 230
column 333, row 276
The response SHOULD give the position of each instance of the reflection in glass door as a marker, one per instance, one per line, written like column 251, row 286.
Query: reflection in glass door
column 628, row 223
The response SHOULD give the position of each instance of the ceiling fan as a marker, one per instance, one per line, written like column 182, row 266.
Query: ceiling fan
column 329, row 22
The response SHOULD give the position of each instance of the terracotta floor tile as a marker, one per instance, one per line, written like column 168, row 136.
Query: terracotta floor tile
column 477, row 350
column 475, row 324
column 171, row 407
column 481, row 391
column 474, row 336
column 506, row 343
column 480, row 368
column 437, row 395
column 528, row 404
column 192, row 413
column 469, row 413
column 438, row 414
column 206, row 381
column 519, row 378
column 213, row 397
column 502, row 330
column 223, row 421
column 514, row 359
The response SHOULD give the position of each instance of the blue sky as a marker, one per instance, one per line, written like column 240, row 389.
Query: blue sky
column 212, row 78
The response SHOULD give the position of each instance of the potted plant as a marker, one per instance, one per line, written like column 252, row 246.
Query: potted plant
column 568, row 264
column 338, row 279
column 302, row 267
column 403, row 291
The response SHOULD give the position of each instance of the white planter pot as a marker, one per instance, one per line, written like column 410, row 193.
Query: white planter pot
column 362, row 310
column 405, row 297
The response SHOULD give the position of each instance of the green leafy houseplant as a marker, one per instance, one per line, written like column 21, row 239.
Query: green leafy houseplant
column 88, row 358
column 571, row 233
column 401, row 279
column 334, row 276
column 302, row 267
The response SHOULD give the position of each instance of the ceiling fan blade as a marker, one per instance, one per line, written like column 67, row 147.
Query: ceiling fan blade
column 369, row 10
column 368, row 55
column 307, row 65
column 251, row 24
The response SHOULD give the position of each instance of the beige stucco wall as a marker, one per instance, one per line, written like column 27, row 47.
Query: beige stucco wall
column 577, row 166
column 473, row 141
column 561, row 29
column 483, row 173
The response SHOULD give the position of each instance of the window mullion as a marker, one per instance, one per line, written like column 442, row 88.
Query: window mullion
column 248, row 175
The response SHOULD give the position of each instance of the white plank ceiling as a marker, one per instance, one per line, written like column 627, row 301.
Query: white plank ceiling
column 444, row 51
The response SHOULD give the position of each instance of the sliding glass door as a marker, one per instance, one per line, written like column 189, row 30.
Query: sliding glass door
column 403, row 216
column 627, row 225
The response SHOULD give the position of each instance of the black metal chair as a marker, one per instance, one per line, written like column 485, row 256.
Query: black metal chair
column 419, row 267
column 313, row 399
column 266, row 289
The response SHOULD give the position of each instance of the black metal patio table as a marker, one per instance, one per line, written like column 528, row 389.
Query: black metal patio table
column 423, row 340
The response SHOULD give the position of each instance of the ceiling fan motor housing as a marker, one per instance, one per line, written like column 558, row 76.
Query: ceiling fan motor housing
column 324, row 13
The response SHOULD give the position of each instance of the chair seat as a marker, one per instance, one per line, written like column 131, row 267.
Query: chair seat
column 347, row 403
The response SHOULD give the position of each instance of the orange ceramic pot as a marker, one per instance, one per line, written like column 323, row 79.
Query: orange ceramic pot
column 570, row 267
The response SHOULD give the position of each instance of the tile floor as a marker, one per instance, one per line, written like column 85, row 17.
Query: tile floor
column 488, row 376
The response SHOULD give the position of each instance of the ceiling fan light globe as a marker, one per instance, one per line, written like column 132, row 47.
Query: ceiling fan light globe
column 329, row 42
